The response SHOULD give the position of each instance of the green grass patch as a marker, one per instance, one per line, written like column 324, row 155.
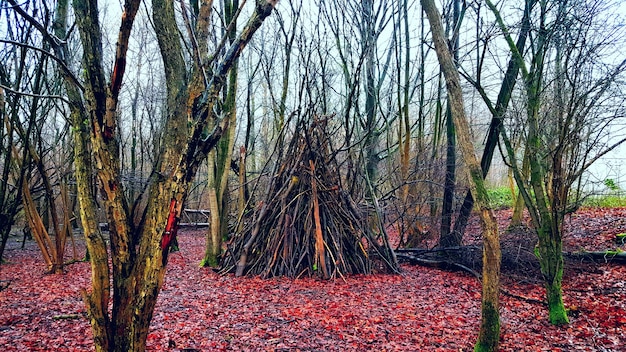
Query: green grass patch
column 500, row 198
column 605, row 201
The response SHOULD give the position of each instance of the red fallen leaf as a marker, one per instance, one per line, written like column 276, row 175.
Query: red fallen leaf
column 422, row 309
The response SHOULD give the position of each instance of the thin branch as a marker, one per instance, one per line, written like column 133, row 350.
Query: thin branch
column 128, row 18
column 50, row 55
column 51, row 38
column 222, row 43
column 32, row 95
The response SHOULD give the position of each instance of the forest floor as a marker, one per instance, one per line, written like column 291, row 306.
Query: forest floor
column 422, row 309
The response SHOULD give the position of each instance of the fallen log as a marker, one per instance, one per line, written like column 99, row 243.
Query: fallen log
column 194, row 224
column 608, row 256
column 439, row 264
column 67, row 316
column 421, row 251
column 453, row 266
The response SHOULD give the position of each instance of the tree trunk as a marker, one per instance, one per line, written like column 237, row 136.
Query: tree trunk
column 5, row 230
column 489, row 334
column 213, row 247
column 549, row 252
column 504, row 96
column 219, row 160
column 549, row 246
column 449, row 238
column 97, row 301
column 368, row 43
column 518, row 209
column 436, row 140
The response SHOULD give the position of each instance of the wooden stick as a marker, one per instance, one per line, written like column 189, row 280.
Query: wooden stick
column 319, row 239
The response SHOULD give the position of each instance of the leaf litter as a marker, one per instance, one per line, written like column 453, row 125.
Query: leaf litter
column 420, row 309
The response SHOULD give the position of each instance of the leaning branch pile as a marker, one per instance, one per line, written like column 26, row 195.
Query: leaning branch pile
column 307, row 225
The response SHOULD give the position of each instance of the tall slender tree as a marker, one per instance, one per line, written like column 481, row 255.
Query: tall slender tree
column 489, row 334
column 447, row 237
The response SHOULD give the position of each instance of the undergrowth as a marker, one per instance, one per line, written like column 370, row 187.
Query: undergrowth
column 500, row 197
column 605, row 201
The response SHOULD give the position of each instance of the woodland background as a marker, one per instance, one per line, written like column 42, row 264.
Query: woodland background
column 312, row 139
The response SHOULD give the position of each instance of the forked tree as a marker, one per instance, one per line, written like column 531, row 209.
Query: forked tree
column 569, row 113
column 139, row 250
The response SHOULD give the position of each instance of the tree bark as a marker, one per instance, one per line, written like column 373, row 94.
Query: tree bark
column 449, row 238
column 368, row 43
column 518, row 208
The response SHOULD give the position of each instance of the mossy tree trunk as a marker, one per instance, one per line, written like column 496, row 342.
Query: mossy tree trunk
column 548, row 229
column 544, row 208
column 138, row 250
column 550, row 256
column 489, row 334
column 219, row 159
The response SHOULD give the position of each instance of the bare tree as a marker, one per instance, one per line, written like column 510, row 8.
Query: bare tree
column 489, row 334
column 139, row 251
column 32, row 141
column 11, row 177
column 498, row 113
column 569, row 111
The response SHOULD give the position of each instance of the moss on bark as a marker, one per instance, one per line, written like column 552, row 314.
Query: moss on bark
column 211, row 260
column 489, row 329
column 557, row 311
column 549, row 253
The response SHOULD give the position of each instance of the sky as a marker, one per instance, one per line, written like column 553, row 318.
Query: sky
column 611, row 166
